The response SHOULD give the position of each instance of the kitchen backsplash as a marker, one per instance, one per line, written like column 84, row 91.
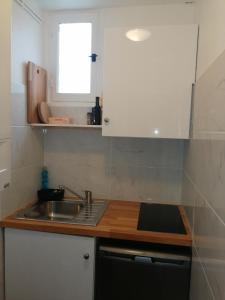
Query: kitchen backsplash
column 115, row 168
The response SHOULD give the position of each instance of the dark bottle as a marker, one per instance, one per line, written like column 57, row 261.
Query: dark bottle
column 97, row 113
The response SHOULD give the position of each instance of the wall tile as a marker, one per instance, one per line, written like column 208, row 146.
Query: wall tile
column 80, row 177
column 27, row 146
column 23, row 189
column 209, row 94
column 146, row 184
column 200, row 289
column 147, row 152
column 209, row 238
column 115, row 168
column 206, row 166
column 82, row 147
column 204, row 180
column 124, row 183
column 189, row 198
column 19, row 104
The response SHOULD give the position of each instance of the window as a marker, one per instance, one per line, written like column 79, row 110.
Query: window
column 74, row 71
column 72, row 40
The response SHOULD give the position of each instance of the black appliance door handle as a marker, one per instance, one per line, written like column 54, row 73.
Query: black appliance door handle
column 169, row 263
column 149, row 254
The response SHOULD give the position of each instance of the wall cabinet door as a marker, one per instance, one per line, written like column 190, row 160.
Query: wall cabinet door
column 147, row 85
column 5, row 59
column 48, row 266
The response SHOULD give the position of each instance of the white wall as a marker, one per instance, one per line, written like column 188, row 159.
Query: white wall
column 210, row 14
column 26, row 43
column 148, row 15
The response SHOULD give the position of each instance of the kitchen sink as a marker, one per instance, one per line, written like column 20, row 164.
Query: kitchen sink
column 65, row 211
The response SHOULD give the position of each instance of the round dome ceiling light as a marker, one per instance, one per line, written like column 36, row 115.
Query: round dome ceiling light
column 138, row 35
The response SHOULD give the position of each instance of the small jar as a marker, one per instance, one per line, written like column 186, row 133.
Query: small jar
column 89, row 118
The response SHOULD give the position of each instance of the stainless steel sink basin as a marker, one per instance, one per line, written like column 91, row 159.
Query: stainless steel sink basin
column 66, row 211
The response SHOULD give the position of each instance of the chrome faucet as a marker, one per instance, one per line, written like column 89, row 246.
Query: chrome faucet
column 87, row 198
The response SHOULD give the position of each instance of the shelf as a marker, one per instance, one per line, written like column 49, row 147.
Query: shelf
column 66, row 126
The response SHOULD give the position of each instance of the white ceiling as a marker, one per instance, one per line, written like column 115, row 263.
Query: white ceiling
column 82, row 4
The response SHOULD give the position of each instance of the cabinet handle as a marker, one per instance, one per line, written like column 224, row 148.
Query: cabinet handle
column 106, row 120
column 86, row 256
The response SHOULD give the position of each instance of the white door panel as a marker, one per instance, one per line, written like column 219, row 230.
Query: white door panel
column 147, row 85
column 48, row 266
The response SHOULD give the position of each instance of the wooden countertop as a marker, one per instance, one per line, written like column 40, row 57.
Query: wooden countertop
column 119, row 221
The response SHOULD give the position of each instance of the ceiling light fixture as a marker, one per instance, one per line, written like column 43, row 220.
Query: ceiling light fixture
column 138, row 35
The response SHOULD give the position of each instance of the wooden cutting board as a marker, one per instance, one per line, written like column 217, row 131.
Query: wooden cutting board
column 44, row 112
column 36, row 91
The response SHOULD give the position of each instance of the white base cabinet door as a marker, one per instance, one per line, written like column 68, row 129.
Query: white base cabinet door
column 48, row 266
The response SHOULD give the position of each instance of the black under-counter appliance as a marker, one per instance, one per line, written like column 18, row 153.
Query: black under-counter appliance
column 128, row 270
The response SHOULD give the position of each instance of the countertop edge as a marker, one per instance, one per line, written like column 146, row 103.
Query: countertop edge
column 106, row 228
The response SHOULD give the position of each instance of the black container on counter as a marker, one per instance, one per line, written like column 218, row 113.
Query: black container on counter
column 97, row 113
column 50, row 194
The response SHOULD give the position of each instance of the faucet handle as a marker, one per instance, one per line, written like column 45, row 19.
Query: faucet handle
column 88, row 197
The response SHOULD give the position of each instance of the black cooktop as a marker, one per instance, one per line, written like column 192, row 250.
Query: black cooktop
column 160, row 218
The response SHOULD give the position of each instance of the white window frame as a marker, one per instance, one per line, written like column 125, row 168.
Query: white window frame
column 52, row 59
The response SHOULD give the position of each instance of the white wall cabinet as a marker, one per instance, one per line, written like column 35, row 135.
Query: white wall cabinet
column 147, row 86
column 48, row 266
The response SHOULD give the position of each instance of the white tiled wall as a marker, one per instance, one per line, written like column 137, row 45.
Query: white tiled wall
column 200, row 288
column 204, row 184
column 27, row 144
column 116, row 168
column 204, row 157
